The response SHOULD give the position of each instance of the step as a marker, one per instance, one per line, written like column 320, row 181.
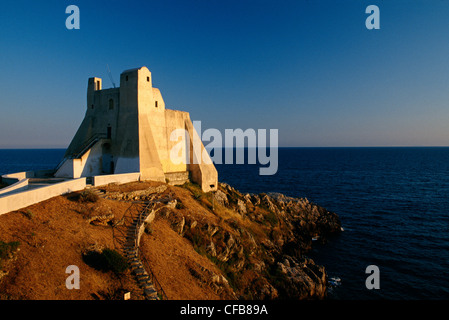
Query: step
column 142, row 282
column 143, row 277
column 131, row 256
column 148, row 285
column 96, row 191
column 151, row 294
column 134, row 259
column 139, row 271
column 130, row 248
column 136, row 268
column 135, row 263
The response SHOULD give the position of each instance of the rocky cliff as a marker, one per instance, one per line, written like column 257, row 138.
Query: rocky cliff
column 258, row 241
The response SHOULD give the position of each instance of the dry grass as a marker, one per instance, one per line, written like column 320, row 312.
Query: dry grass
column 58, row 232
column 52, row 240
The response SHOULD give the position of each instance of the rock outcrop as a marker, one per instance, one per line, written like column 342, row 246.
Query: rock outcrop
column 262, row 253
column 138, row 195
column 259, row 241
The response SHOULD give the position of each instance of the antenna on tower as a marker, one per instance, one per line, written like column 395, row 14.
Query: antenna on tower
column 110, row 76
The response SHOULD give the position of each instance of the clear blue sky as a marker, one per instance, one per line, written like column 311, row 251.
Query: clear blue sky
column 308, row 68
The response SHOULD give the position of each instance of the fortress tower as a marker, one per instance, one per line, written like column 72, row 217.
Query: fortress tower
column 128, row 129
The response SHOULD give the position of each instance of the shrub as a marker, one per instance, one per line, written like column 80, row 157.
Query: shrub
column 29, row 214
column 6, row 249
column 88, row 196
column 116, row 262
column 95, row 260
column 194, row 189
column 107, row 260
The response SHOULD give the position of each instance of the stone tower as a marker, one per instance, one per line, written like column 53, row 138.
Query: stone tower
column 128, row 129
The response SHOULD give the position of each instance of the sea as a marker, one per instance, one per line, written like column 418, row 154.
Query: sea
column 393, row 203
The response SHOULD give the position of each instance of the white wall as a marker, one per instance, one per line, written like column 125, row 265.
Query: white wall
column 24, row 199
column 19, row 185
column 115, row 178
column 11, row 178
column 89, row 164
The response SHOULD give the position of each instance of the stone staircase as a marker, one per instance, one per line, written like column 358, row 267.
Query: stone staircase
column 127, row 235
column 131, row 252
column 96, row 191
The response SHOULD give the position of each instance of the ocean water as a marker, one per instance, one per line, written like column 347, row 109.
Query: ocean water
column 394, row 208
column 393, row 204
column 18, row 160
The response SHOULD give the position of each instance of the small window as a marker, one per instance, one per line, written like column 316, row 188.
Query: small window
column 98, row 85
column 155, row 104
column 92, row 106
column 148, row 79
column 111, row 104
column 126, row 78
